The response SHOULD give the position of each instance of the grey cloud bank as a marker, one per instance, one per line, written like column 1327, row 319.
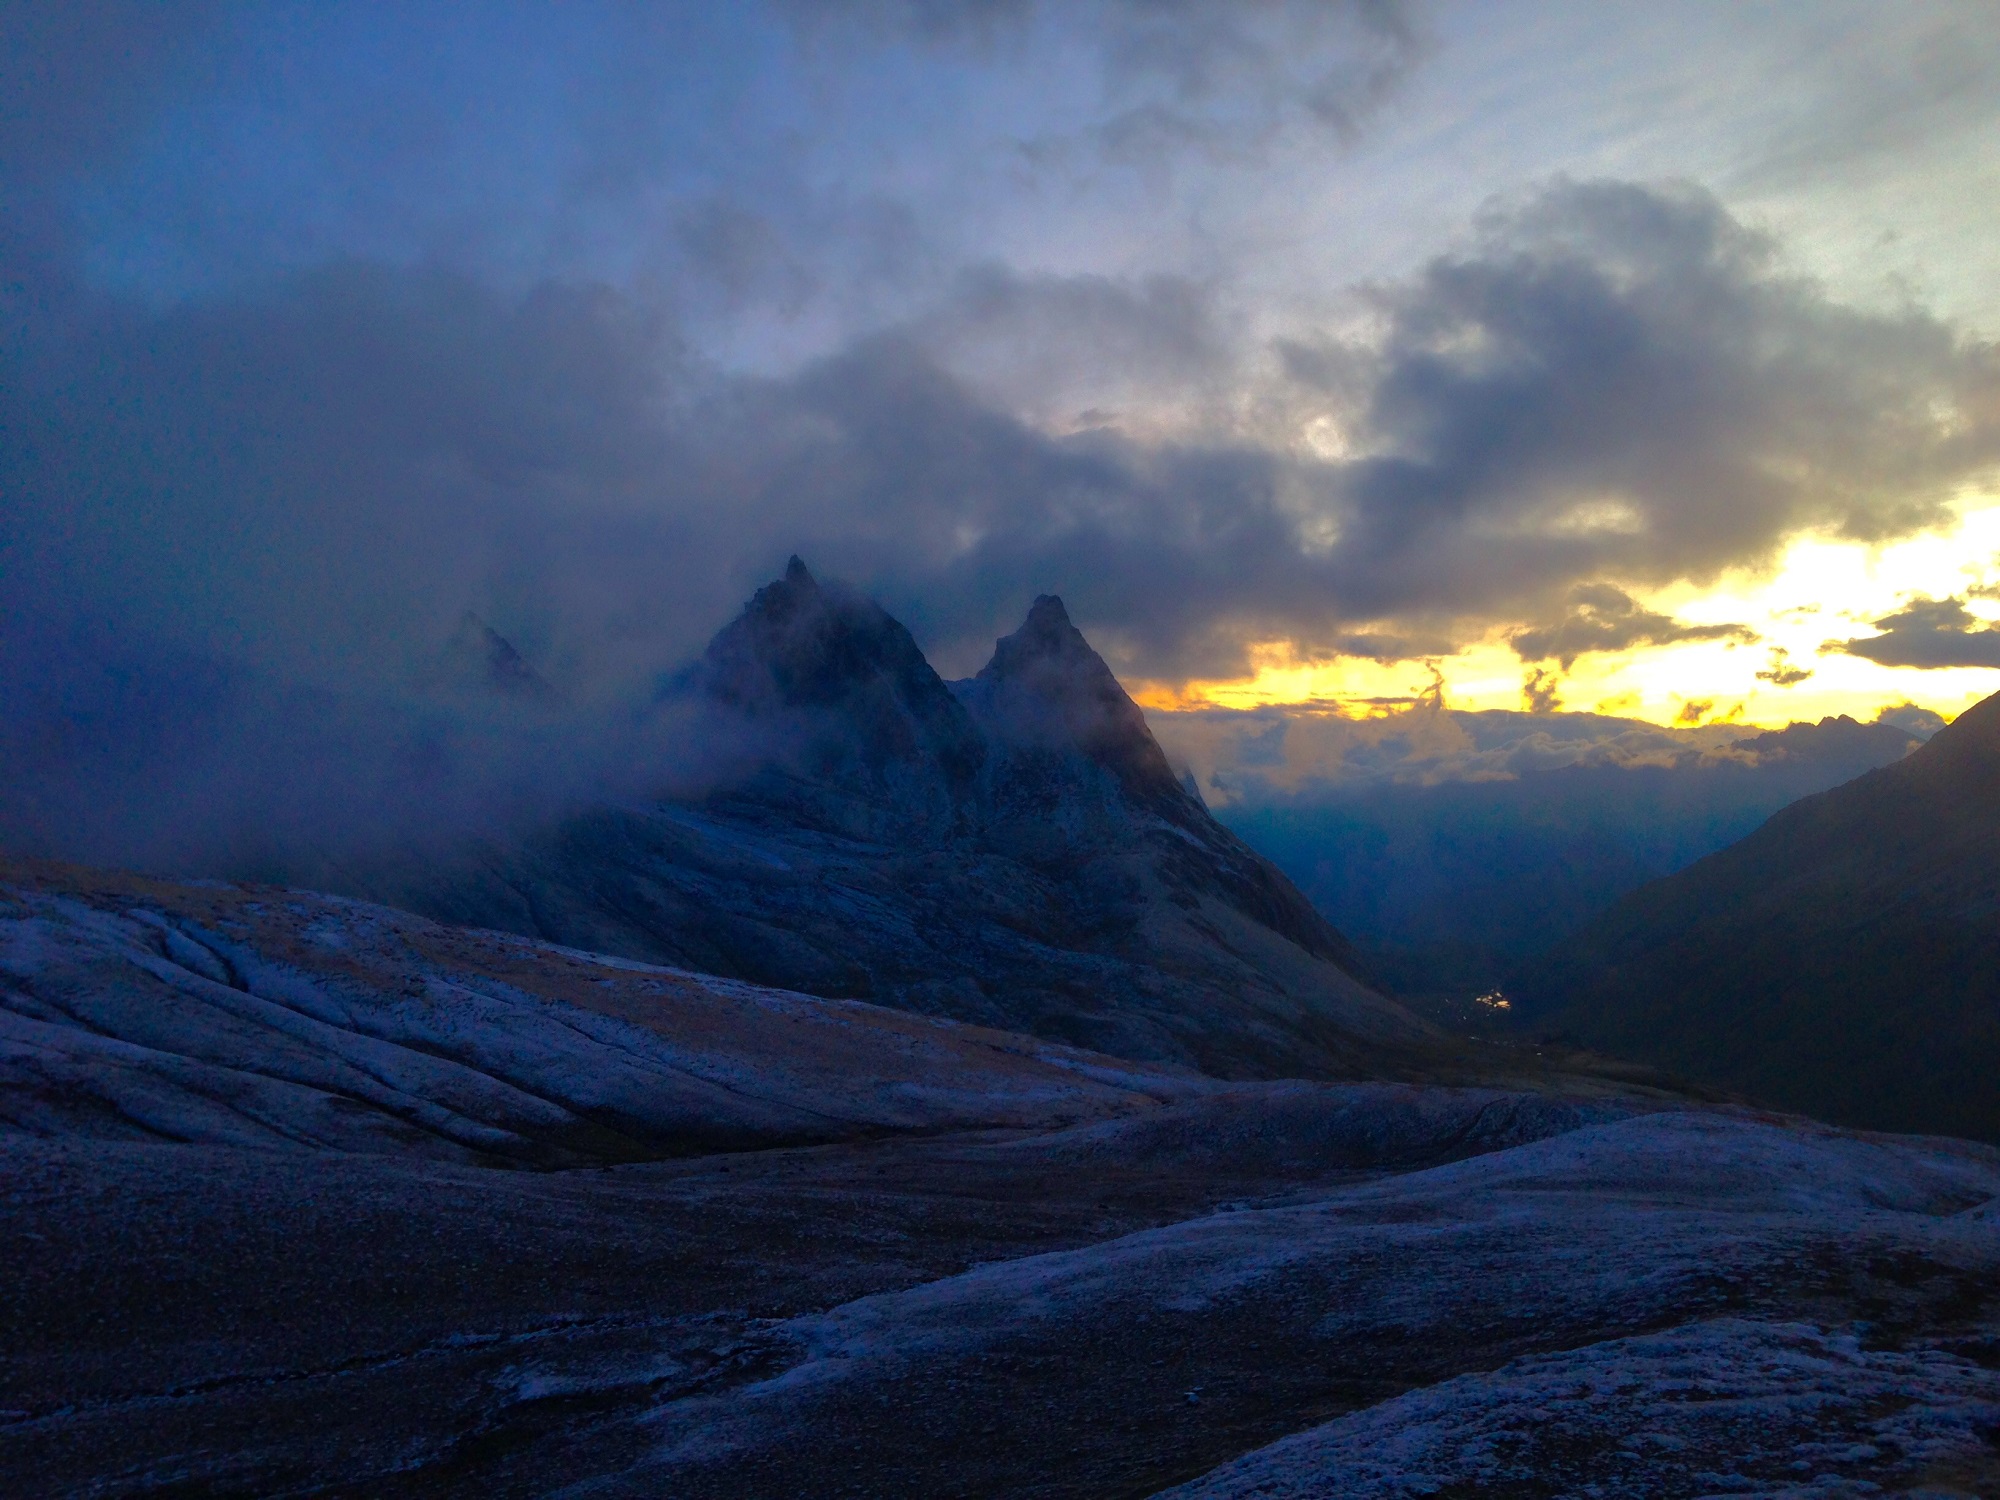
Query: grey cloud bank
column 1602, row 618
column 1928, row 633
column 235, row 513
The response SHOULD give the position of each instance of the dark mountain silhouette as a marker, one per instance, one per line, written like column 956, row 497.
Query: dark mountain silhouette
column 1072, row 763
column 1013, row 850
column 1844, row 959
column 1832, row 741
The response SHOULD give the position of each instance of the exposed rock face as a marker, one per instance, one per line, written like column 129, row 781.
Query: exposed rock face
column 1074, row 763
column 1014, row 851
column 1843, row 959
column 834, row 693
column 255, row 1238
column 1636, row 1304
column 1047, row 696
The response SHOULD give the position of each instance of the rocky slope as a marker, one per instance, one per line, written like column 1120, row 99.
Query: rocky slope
column 273, row 1224
column 1594, row 1301
column 1844, row 959
column 143, row 1010
column 1013, row 851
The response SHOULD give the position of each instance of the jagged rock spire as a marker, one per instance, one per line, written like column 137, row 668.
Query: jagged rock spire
column 828, row 652
column 1046, row 684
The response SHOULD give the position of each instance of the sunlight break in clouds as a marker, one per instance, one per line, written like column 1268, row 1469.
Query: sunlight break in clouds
column 1821, row 593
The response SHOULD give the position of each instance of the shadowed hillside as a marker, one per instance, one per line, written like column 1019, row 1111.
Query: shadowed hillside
column 1458, row 845
column 1844, row 959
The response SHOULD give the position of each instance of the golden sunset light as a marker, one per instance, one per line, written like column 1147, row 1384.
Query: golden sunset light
column 1822, row 590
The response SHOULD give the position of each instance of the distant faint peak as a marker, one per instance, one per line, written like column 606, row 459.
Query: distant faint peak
column 1833, row 737
column 797, row 574
column 479, row 656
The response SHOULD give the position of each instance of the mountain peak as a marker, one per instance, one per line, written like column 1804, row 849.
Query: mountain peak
column 1047, row 614
column 1981, row 721
column 1970, row 740
column 1051, row 651
column 835, row 656
column 1047, row 687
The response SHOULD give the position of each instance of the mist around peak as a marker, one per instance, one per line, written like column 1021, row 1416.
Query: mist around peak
column 1046, row 689
column 1013, row 850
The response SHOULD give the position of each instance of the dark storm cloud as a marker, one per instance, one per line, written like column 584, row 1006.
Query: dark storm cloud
column 1928, row 633
column 1081, row 349
column 1620, row 380
column 319, row 476
column 1613, row 382
column 235, row 537
column 1602, row 618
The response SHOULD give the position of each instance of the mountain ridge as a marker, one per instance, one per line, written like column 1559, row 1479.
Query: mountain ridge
column 1013, row 850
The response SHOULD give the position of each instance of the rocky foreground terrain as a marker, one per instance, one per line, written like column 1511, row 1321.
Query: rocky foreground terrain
column 300, row 1196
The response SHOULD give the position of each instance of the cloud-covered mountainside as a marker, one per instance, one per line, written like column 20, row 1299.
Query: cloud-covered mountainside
column 1013, row 849
column 1452, row 845
column 1844, row 958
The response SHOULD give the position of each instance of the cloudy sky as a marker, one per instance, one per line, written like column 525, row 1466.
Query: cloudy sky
column 1630, row 358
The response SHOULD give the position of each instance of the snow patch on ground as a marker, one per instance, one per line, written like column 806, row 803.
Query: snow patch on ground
column 1720, row 1407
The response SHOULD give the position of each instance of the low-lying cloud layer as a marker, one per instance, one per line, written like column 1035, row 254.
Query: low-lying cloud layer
column 1287, row 756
